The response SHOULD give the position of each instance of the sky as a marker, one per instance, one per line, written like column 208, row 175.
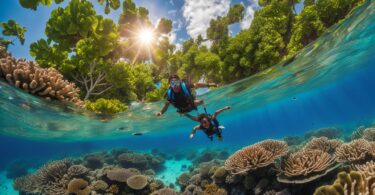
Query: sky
column 190, row 18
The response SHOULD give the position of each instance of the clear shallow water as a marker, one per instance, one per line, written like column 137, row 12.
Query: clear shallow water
column 329, row 84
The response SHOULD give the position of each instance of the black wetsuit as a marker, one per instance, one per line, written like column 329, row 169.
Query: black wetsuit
column 182, row 101
column 213, row 129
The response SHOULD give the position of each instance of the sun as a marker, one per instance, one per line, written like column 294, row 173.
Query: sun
column 146, row 37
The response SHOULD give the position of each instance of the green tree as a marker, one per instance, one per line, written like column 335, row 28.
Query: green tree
column 121, row 78
column 158, row 94
column 306, row 29
column 12, row 28
column 33, row 4
column 331, row 11
column 114, row 4
column 80, row 44
column 142, row 80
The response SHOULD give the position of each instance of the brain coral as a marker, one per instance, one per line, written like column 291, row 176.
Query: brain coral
column 79, row 187
column 119, row 175
column 137, row 182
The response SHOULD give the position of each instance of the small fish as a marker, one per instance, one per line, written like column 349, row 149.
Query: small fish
column 10, row 98
column 137, row 134
column 294, row 98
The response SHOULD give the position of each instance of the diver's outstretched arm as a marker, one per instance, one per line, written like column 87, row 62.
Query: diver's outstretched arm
column 203, row 85
column 217, row 112
column 195, row 129
column 194, row 118
column 163, row 110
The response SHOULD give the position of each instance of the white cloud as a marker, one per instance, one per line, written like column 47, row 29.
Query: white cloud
column 198, row 14
column 249, row 14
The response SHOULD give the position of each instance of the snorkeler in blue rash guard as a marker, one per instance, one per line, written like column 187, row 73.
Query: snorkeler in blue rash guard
column 180, row 95
column 208, row 124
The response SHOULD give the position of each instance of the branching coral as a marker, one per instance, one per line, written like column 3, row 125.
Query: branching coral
column 213, row 189
column 47, row 83
column 368, row 168
column 48, row 179
column 354, row 151
column 77, row 170
column 305, row 166
column 323, row 144
column 255, row 156
column 369, row 134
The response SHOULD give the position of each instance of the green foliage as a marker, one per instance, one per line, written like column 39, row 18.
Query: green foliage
column 33, row 4
column 331, row 11
column 106, row 106
column 4, row 43
column 158, row 94
column 142, row 80
column 12, row 28
column 306, row 29
column 46, row 55
column 121, row 78
column 236, row 13
column 164, row 26
column 114, row 4
column 68, row 25
column 261, row 46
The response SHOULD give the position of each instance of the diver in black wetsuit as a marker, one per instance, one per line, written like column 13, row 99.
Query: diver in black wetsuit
column 208, row 124
column 180, row 95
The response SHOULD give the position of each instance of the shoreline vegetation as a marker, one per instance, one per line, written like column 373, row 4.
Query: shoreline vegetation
column 111, row 66
column 322, row 162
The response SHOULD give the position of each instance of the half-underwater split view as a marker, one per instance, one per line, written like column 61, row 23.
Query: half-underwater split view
column 187, row 97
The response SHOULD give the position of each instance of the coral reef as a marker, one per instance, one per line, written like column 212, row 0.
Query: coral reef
column 330, row 133
column 349, row 183
column 305, row 166
column 120, row 174
column 256, row 156
column 369, row 134
column 47, row 180
column 165, row 191
column 78, row 187
column 47, row 83
column 354, row 152
column 267, row 167
column 137, row 182
column 323, row 144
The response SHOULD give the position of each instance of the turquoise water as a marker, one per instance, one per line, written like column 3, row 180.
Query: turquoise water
column 329, row 84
